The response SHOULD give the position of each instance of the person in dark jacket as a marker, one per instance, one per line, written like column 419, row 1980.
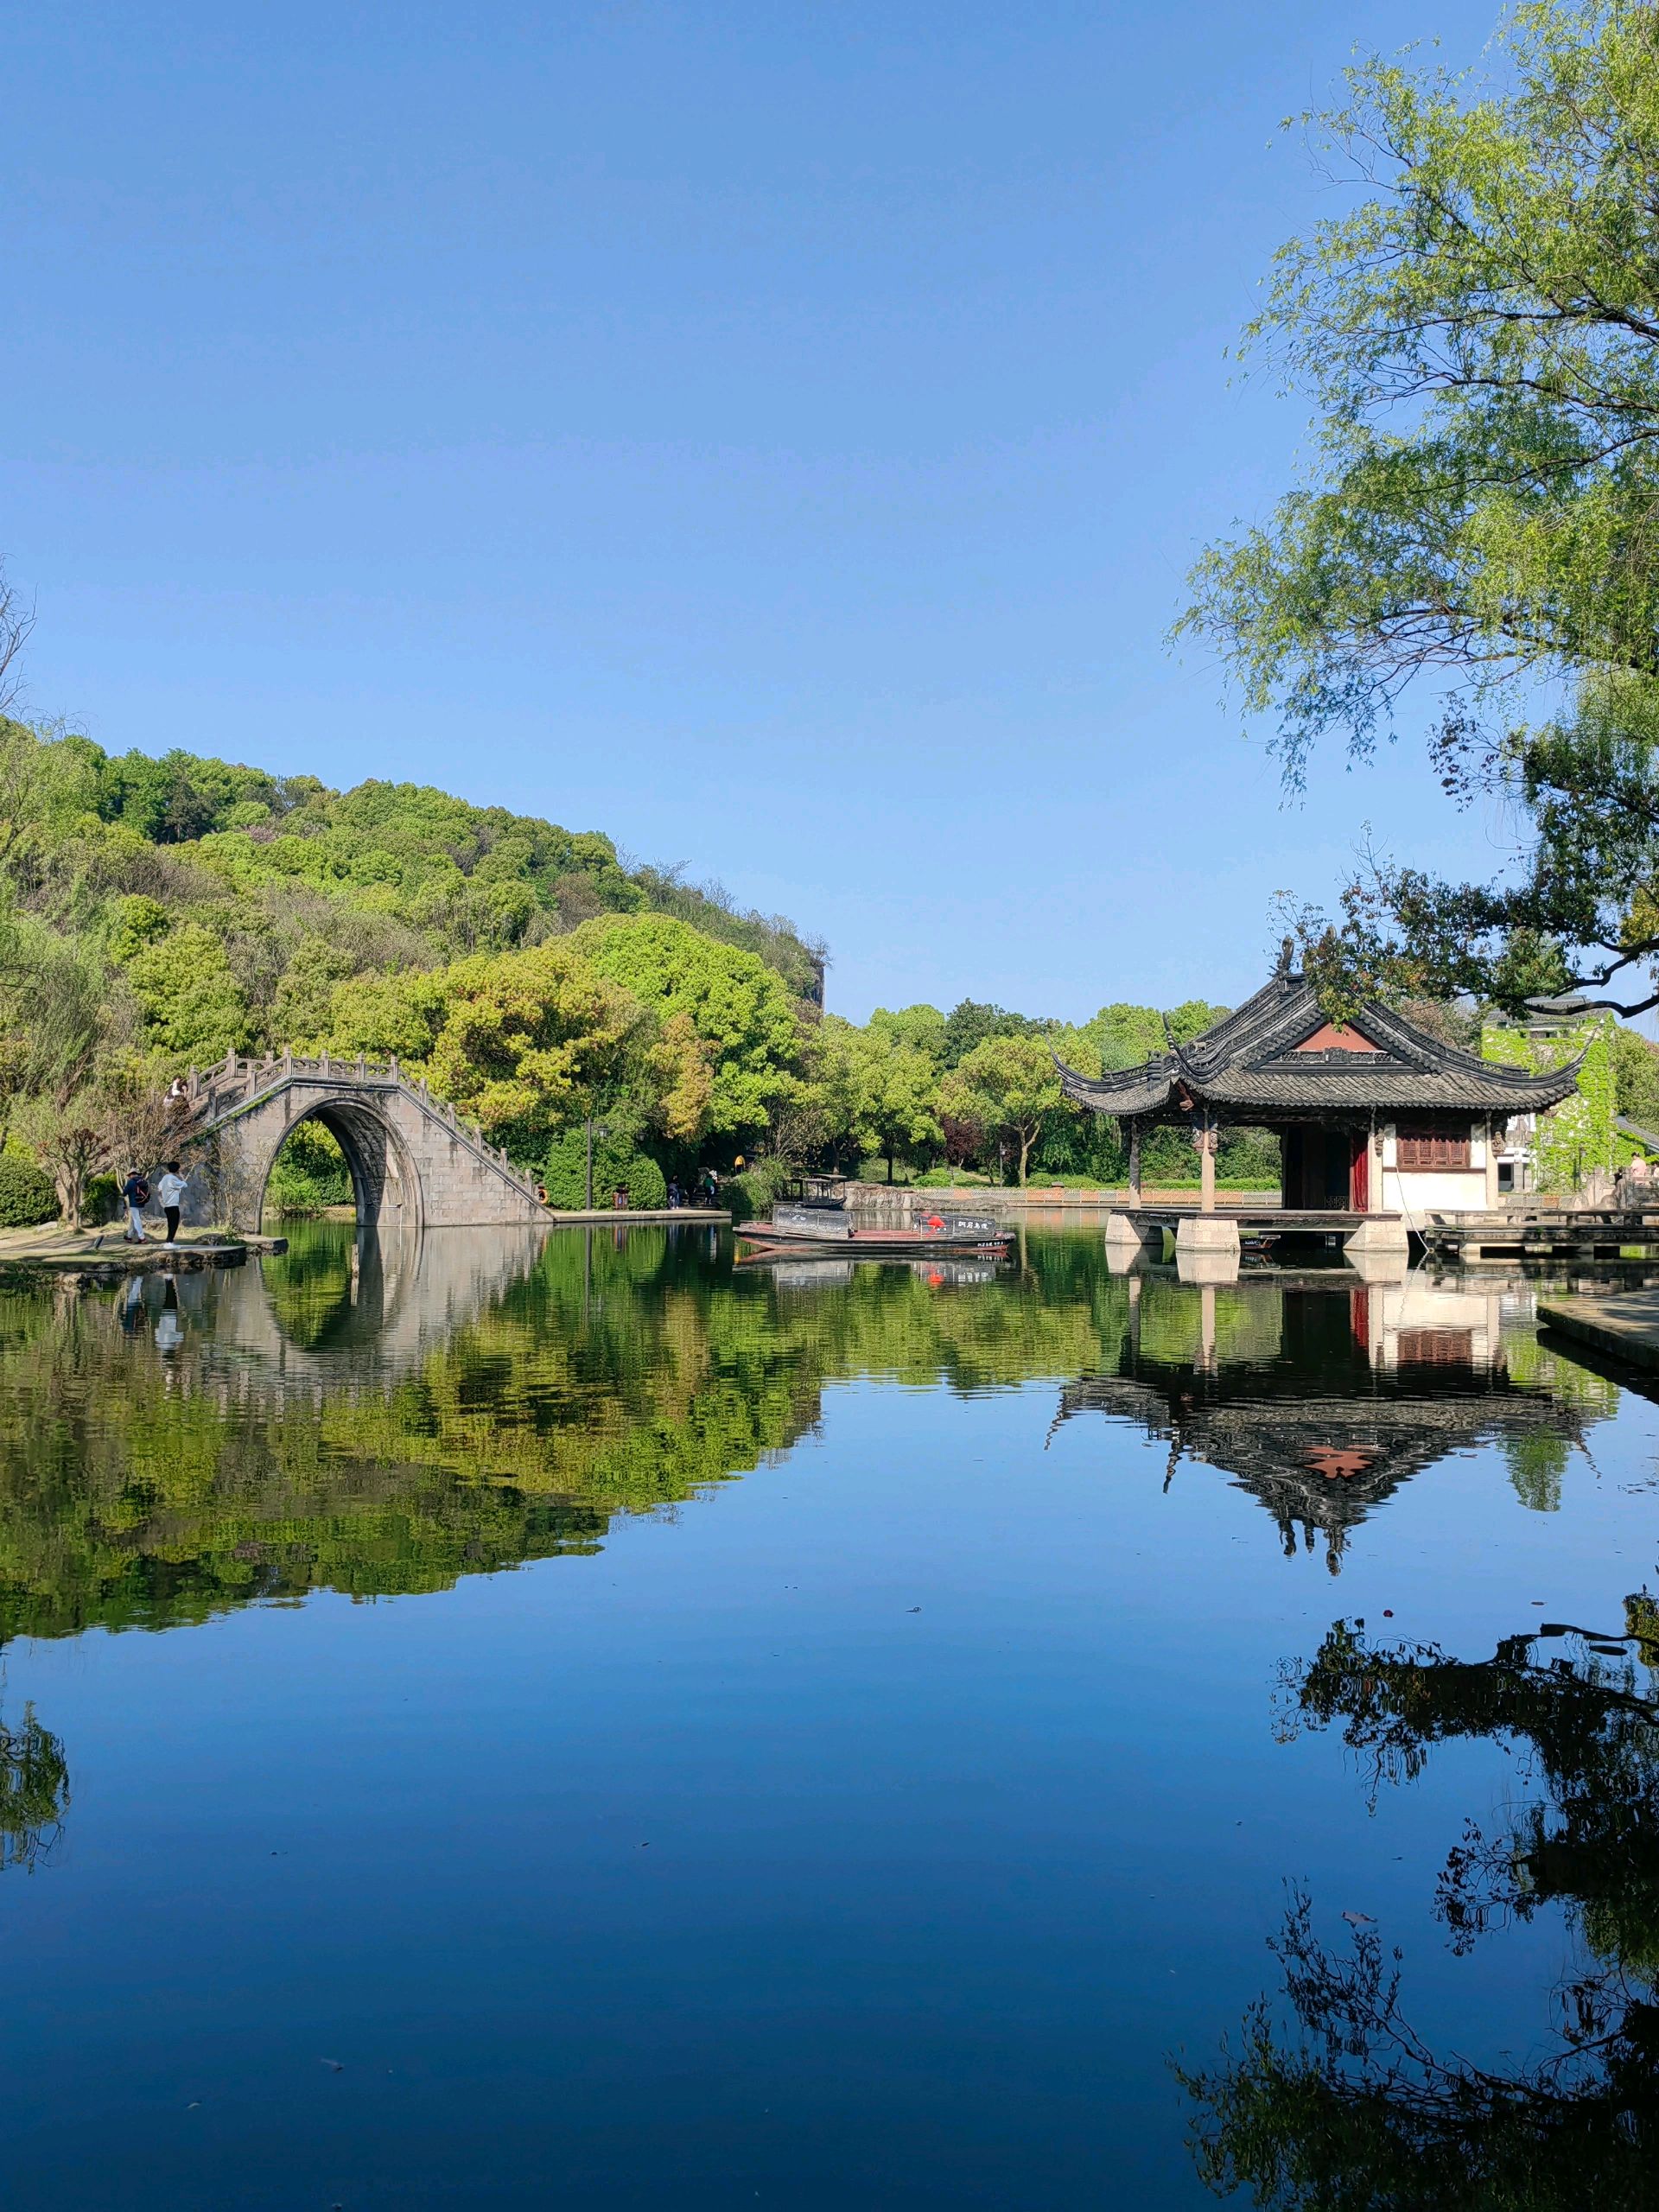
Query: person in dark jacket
column 135, row 1194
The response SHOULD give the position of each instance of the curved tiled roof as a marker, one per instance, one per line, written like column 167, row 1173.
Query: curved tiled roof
column 1249, row 1061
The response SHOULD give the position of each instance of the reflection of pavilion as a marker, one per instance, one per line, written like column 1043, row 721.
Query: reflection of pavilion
column 1320, row 1402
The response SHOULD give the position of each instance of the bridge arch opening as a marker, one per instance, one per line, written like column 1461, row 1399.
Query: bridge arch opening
column 381, row 1180
column 310, row 1173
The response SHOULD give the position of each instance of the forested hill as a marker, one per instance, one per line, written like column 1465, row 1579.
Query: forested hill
column 300, row 887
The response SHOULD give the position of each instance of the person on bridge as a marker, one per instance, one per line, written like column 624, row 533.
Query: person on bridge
column 134, row 1194
column 171, row 1189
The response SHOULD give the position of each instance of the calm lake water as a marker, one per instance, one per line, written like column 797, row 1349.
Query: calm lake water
column 565, row 1723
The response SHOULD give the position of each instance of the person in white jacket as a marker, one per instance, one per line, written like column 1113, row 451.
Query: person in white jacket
column 171, row 1187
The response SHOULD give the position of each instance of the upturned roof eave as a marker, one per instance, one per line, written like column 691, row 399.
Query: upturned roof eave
column 1125, row 1091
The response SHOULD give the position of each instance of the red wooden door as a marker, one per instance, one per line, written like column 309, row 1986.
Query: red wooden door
column 1359, row 1178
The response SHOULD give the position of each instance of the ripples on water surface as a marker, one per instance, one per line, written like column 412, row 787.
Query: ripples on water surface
column 950, row 1740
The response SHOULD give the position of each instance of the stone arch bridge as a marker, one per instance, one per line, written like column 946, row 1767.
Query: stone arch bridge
column 414, row 1163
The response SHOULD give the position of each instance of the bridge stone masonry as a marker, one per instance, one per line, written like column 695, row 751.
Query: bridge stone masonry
column 414, row 1163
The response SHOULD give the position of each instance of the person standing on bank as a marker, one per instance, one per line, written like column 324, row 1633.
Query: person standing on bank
column 133, row 1197
column 171, row 1189
column 134, row 1192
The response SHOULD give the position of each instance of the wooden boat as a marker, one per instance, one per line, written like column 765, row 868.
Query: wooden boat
column 831, row 1268
column 813, row 1222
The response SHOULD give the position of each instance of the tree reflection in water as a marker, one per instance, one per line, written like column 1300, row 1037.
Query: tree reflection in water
column 378, row 1421
column 379, row 1418
column 34, row 1791
column 1352, row 2109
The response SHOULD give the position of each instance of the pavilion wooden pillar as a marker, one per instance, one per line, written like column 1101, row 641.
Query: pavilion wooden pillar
column 1134, row 1163
column 1207, row 1166
column 1207, row 1328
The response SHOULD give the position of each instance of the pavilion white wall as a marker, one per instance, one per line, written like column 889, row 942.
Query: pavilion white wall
column 1417, row 1191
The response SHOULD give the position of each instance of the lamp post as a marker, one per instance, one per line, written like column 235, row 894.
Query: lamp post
column 595, row 1129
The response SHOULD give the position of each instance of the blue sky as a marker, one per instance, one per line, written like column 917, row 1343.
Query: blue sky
column 774, row 435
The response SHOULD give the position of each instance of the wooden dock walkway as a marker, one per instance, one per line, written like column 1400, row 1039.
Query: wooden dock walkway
column 1543, row 1233
column 1280, row 1221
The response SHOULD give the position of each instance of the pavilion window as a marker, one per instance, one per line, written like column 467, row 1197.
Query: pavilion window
column 1424, row 1146
column 1436, row 1348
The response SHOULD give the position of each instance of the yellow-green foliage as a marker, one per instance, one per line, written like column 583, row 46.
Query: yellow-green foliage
column 209, row 908
column 738, row 1006
column 309, row 1171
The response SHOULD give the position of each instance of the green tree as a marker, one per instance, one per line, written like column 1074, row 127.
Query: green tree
column 1478, row 335
column 820, row 1116
column 194, row 1009
column 533, row 1040
column 1119, row 1035
column 738, row 1008
column 921, row 1027
column 303, row 1001
column 80, row 1092
column 117, row 1117
column 897, row 1093
column 1010, row 1086
column 1636, row 1077
column 380, row 1016
column 137, row 922
column 969, row 1023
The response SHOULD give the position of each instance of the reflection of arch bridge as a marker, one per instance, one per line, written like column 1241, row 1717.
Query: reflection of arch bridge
column 413, row 1162
column 361, row 1316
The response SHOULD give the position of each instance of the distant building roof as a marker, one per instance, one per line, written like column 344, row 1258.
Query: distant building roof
column 1277, row 1056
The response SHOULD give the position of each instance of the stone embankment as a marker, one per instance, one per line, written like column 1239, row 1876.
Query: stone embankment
column 1623, row 1324
column 105, row 1252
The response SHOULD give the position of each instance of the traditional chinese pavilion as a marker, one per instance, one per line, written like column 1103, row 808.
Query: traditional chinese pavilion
column 1379, row 1124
